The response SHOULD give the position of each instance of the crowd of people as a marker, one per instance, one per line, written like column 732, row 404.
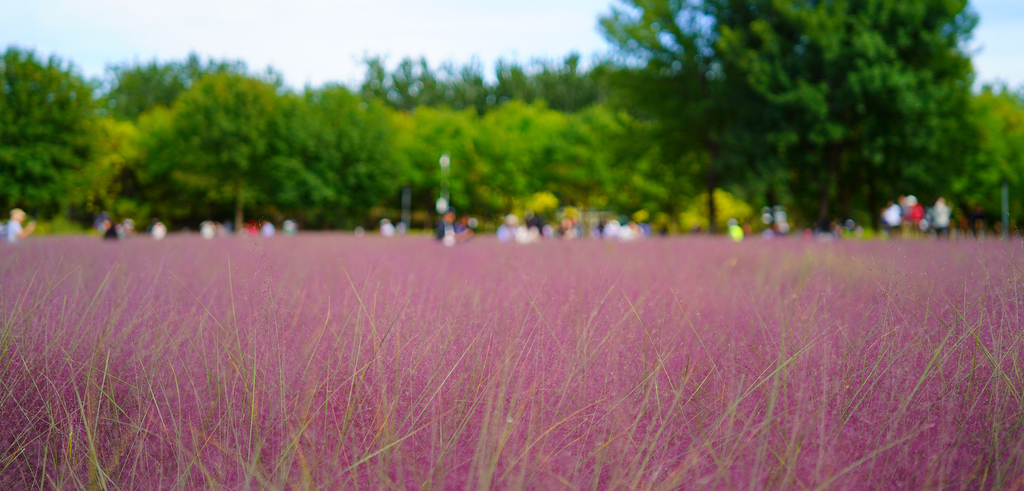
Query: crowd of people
column 451, row 230
column 907, row 217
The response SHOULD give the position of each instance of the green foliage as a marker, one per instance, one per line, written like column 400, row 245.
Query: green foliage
column 138, row 88
column 997, row 116
column 728, row 206
column 542, row 203
column 675, row 73
column 346, row 164
column 829, row 108
column 114, row 158
column 45, row 127
column 831, row 103
column 217, row 148
column 867, row 98
column 60, row 225
column 564, row 86
column 595, row 158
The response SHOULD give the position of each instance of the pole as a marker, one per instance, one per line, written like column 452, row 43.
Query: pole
column 1006, row 210
column 407, row 207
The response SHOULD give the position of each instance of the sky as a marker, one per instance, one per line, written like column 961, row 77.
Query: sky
column 318, row 41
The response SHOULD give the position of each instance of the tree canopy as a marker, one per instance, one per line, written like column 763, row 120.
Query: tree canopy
column 703, row 110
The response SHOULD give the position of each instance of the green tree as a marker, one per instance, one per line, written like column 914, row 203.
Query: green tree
column 108, row 182
column 216, row 146
column 348, row 164
column 420, row 140
column 865, row 97
column 139, row 87
column 997, row 115
column 674, row 73
column 45, row 126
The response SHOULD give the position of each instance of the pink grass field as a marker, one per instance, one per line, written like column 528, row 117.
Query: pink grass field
column 327, row 361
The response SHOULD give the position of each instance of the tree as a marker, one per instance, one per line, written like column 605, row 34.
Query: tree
column 108, row 182
column 45, row 124
column 997, row 114
column 348, row 165
column 871, row 94
column 137, row 88
column 864, row 97
column 674, row 72
column 565, row 86
column 216, row 145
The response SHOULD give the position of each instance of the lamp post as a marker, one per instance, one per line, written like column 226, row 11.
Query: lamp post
column 442, row 202
column 407, row 207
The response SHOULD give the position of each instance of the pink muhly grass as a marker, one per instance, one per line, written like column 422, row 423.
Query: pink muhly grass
column 327, row 361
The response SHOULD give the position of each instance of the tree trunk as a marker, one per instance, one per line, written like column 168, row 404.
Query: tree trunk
column 712, row 183
column 833, row 154
column 711, row 203
column 873, row 203
column 238, row 206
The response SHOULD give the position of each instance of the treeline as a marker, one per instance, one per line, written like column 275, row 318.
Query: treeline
column 829, row 108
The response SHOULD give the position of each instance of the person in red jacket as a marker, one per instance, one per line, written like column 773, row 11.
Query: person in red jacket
column 916, row 213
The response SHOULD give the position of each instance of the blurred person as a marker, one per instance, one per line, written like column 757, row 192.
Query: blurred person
column 637, row 230
column 534, row 222
column 289, row 227
column 978, row 222
column 892, row 216
column 386, row 228
column 14, row 231
column 111, row 231
column 522, row 235
column 547, row 231
column 401, row 228
column 627, row 232
column 157, row 229
column 507, row 230
column 446, row 227
column 567, row 229
column 781, row 228
column 267, row 230
column 463, row 229
column 734, row 229
column 207, row 230
column 128, row 227
column 916, row 213
column 100, row 222
column 611, row 229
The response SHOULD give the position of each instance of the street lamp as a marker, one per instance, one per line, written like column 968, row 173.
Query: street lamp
column 442, row 202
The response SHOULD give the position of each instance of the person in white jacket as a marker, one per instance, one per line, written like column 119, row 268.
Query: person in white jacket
column 14, row 231
column 892, row 217
column 940, row 217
